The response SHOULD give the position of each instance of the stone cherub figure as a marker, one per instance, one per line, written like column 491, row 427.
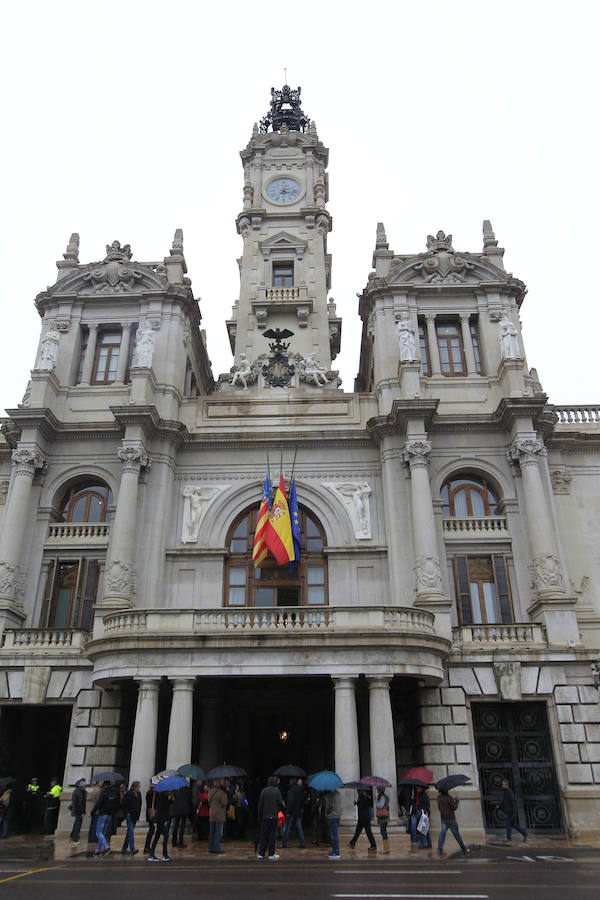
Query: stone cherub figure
column 242, row 372
column 313, row 371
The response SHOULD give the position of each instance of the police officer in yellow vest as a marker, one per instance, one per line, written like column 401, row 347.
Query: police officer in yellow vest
column 29, row 805
column 52, row 810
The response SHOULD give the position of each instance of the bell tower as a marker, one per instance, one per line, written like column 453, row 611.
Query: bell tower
column 285, row 270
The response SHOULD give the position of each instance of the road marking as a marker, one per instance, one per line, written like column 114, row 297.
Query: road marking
column 422, row 871
column 24, row 874
column 412, row 896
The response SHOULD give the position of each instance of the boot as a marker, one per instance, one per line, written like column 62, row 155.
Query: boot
column 386, row 845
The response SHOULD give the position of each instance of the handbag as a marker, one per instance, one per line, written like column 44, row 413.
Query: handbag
column 423, row 826
column 280, row 819
column 382, row 813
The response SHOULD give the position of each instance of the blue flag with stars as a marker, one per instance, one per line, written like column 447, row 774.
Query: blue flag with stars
column 295, row 517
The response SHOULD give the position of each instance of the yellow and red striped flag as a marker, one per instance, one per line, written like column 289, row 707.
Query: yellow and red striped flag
column 278, row 534
column 260, row 549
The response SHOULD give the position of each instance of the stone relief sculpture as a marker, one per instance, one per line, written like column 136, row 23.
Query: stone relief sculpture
column 547, row 572
column 510, row 347
column 429, row 576
column 406, row 339
column 442, row 265
column 508, row 679
column 310, row 370
column 197, row 499
column 242, row 373
column 561, row 480
column 355, row 498
column 8, row 579
column 49, row 350
column 118, row 577
column 114, row 274
column 144, row 347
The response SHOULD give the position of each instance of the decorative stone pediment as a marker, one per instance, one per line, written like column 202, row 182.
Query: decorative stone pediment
column 115, row 274
column 283, row 240
column 445, row 267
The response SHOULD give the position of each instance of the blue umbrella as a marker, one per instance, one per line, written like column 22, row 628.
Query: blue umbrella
column 325, row 781
column 171, row 783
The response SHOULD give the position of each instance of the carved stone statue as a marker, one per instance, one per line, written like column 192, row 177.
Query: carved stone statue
column 355, row 498
column 509, row 339
column 312, row 371
column 49, row 350
column 508, row 679
column 406, row 339
column 118, row 577
column 144, row 347
column 196, row 502
column 242, row 372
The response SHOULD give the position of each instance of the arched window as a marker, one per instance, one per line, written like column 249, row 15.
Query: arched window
column 270, row 584
column 87, row 502
column 468, row 495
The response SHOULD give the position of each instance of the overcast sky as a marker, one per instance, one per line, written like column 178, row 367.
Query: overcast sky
column 124, row 121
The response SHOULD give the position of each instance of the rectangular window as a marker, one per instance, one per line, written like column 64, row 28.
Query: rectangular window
column 237, row 587
column 475, row 341
column 482, row 590
column 452, row 357
column 315, row 578
column 70, row 594
column 426, row 368
column 107, row 357
column 283, row 274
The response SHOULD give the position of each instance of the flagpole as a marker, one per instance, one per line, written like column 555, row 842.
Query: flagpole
column 294, row 463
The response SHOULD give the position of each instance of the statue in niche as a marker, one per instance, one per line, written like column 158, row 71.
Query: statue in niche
column 242, row 372
column 359, row 494
column 195, row 503
column 509, row 339
column 49, row 350
column 312, row 371
column 144, row 347
column 406, row 339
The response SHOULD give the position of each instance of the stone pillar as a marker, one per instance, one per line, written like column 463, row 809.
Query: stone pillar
column 391, row 452
column 209, row 733
column 427, row 561
column 123, row 353
column 468, row 343
column 347, row 755
column 90, row 353
column 143, row 748
column 179, row 746
column 383, row 746
column 119, row 563
column 17, row 516
column 434, row 350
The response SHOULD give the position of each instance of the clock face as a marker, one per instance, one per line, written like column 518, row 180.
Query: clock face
column 283, row 190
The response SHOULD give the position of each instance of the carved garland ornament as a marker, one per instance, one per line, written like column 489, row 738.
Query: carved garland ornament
column 429, row 576
column 416, row 453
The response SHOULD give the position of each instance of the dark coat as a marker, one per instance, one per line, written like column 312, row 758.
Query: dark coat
column 78, row 801
column 163, row 806
column 182, row 802
column 447, row 805
column 364, row 805
column 294, row 801
column 508, row 803
column 132, row 804
column 269, row 802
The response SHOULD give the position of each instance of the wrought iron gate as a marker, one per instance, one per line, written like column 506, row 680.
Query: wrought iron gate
column 513, row 742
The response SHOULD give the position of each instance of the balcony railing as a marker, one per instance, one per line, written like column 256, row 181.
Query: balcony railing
column 475, row 528
column 578, row 415
column 79, row 533
column 282, row 293
column 43, row 639
column 485, row 637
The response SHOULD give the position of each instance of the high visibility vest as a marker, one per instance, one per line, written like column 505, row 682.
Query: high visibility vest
column 33, row 788
column 55, row 791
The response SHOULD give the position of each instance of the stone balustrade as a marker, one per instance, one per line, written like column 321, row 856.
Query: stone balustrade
column 282, row 294
column 79, row 533
column 475, row 528
column 578, row 415
column 43, row 639
column 473, row 637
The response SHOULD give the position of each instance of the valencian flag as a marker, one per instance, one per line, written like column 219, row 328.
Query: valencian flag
column 295, row 518
column 260, row 549
column 278, row 533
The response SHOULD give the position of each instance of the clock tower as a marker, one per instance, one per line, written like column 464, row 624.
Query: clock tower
column 283, row 331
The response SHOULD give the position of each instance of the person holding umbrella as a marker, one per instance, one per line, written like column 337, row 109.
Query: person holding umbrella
column 294, row 805
column 447, row 806
column 364, row 806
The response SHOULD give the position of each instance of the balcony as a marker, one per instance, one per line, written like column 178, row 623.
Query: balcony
column 88, row 534
column 282, row 294
column 43, row 640
column 578, row 415
column 519, row 636
column 475, row 529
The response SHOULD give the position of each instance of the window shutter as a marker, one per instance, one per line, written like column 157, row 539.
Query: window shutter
column 48, row 594
column 503, row 588
column 463, row 591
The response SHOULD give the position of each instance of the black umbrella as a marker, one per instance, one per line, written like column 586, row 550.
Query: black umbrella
column 107, row 776
column 227, row 772
column 415, row 782
column 352, row 784
column 451, row 781
column 7, row 779
column 290, row 771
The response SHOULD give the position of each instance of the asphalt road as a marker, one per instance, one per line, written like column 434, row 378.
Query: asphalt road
column 525, row 878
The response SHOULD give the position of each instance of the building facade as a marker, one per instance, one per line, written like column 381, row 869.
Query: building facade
column 446, row 607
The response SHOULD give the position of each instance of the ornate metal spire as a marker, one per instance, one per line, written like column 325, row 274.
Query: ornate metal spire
column 285, row 110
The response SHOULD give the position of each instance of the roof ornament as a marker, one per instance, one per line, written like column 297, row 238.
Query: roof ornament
column 177, row 248
column 489, row 238
column 381, row 242
column 440, row 242
column 285, row 110
column 72, row 251
column 114, row 251
column 441, row 265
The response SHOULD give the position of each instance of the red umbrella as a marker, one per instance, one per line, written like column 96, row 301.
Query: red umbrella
column 419, row 772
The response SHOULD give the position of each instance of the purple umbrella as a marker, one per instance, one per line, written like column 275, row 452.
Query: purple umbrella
column 374, row 781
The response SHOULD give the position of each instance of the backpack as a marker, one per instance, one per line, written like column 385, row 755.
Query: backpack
column 112, row 801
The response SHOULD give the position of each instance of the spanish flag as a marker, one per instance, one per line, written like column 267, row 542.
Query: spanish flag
column 260, row 549
column 278, row 534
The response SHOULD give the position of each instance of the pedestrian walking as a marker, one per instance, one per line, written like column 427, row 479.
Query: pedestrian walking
column 294, row 804
column 423, row 825
column 150, row 818
column 382, row 814
column 164, row 800
column 52, row 798
column 217, row 808
column 270, row 802
column 132, row 809
column 333, row 812
column 364, row 805
column 77, row 807
column 508, row 806
column 180, row 812
column 447, row 806
column 6, row 802
column 105, row 808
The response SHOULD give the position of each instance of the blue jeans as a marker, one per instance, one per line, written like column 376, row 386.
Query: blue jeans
column 413, row 821
column 287, row 828
column 101, row 823
column 128, row 843
column 511, row 822
column 334, row 836
column 268, row 834
column 4, row 828
column 383, row 824
column 215, row 833
column 452, row 825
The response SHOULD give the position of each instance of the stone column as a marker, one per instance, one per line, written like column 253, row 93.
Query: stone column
column 383, row 746
column 179, row 746
column 530, row 454
column 119, row 563
column 123, row 353
column 209, row 743
column 347, row 756
column 468, row 343
column 391, row 453
column 427, row 561
column 434, row 350
column 17, row 516
column 143, row 748
column 90, row 353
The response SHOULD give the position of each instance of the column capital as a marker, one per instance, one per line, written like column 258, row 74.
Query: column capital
column 27, row 459
column 182, row 684
column 148, row 684
column 430, row 317
column 416, row 453
column 527, row 451
column 379, row 682
column 464, row 317
column 134, row 458
column 343, row 682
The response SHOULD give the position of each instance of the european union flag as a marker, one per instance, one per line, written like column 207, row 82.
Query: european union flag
column 295, row 517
